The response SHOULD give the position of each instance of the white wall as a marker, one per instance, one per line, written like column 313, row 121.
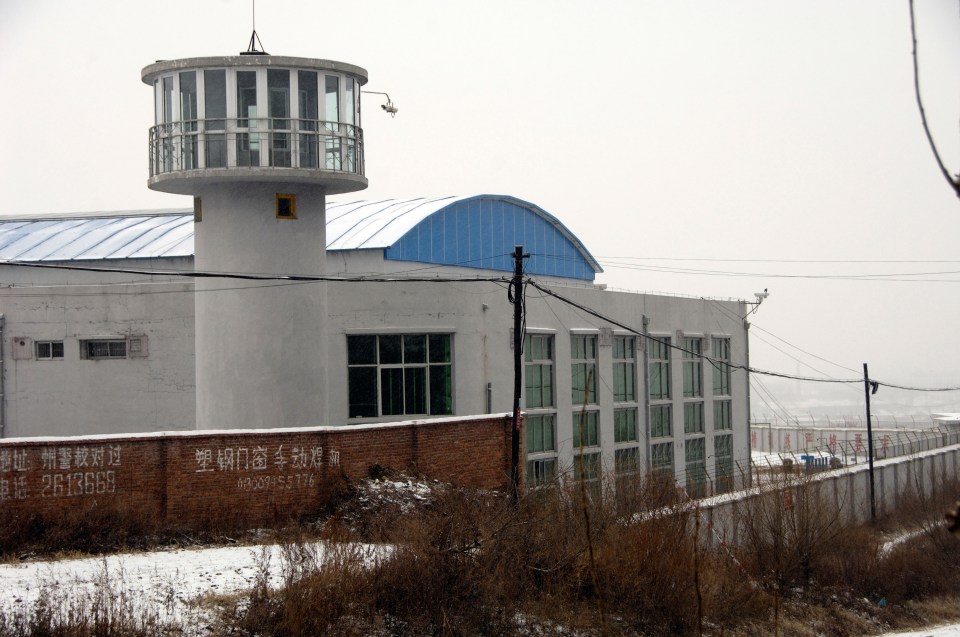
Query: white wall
column 72, row 395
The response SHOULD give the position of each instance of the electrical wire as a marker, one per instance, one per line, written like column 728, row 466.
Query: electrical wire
column 751, row 370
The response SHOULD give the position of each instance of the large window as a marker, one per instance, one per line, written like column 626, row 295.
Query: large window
column 278, row 104
column 541, row 433
column 661, row 421
column 722, row 415
column 188, row 118
column 248, row 144
column 692, row 367
column 538, row 370
column 587, row 468
column 626, row 461
column 215, row 111
column 723, row 450
column 693, row 418
column 658, row 353
column 625, row 425
column 696, row 467
column 400, row 374
column 586, row 428
column 540, row 472
column 583, row 354
column 309, row 108
column 662, row 457
column 721, row 366
column 624, row 369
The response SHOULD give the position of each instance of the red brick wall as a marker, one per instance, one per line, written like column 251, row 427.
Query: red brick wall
column 242, row 478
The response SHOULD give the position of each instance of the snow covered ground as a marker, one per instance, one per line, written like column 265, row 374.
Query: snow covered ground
column 165, row 584
column 168, row 583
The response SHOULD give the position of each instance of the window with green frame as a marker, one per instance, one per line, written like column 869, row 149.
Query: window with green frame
column 538, row 370
column 721, row 366
column 586, row 467
column 722, row 418
column 658, row 356
column 399, row 374
column 693, row 418
column 661, row 455
column 540, row 472
column 586, row 428
column 626, row 460
column 583, row 369
column 692, row 367
column 696, row 457
column 541, row 430
column 624, row 369
column 661, row 421
column 625, row 425
column 723, row 451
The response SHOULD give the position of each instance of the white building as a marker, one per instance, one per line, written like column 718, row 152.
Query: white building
column 101, row 333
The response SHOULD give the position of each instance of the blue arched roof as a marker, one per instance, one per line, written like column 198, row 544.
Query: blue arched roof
column 479, row 231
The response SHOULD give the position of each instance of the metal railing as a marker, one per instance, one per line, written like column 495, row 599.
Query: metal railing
column 267, row 142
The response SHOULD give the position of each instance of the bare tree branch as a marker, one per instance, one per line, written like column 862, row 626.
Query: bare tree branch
column 953, row 181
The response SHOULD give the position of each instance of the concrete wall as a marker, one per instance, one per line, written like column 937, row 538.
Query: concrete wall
column 898, row 482
column 238, row 479
column 154, row 392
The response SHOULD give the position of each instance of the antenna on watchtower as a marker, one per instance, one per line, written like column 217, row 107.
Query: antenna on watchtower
column 254, row 38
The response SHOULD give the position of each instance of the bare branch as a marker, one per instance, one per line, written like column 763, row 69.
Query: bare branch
column 953, row 181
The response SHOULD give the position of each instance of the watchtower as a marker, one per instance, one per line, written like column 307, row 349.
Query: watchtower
column 259, row 141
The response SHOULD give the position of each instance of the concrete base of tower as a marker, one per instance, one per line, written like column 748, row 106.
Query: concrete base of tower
column 261, row 344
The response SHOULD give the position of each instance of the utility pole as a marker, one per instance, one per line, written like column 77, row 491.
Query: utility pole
column 516, row 297
column 869, row 388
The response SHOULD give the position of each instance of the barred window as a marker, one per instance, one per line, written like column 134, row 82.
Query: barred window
column 103, row 348
column 49, row 350
column 400, row 374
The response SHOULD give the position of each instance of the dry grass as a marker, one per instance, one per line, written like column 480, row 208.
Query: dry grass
column 469, row 563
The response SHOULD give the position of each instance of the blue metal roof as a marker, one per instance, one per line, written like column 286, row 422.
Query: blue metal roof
column 479, row 231
column 475, row 232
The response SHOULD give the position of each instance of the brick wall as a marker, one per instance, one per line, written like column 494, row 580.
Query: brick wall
column 242, row 478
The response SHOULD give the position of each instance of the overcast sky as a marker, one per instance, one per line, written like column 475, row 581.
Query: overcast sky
column 759, row 144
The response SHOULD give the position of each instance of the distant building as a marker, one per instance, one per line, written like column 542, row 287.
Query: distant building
column 112, row 340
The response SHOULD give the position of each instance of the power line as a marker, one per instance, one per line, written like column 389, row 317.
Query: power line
column 751, row 370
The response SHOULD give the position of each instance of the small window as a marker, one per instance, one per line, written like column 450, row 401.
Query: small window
column 102, row 348
column 49, row 350
column 286, row 206
column 197, row 210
